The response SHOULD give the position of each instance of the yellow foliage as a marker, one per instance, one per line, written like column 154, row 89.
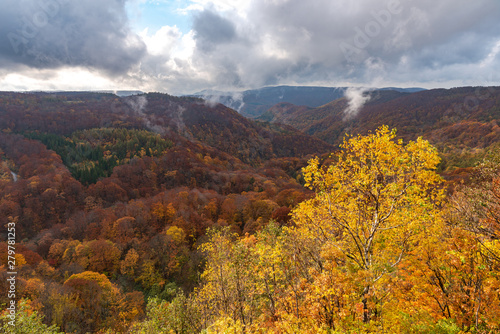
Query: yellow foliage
column 128, row 265
column 177, row 234
column 20, row 260
column 225, row 325
column 369, row 253
column 371, row 207
column 163, row 212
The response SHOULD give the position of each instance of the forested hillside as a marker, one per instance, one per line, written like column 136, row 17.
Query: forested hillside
column 161, row 214
column 255, row 102
column 191, row 118
column 126, row 188
column 461, row 122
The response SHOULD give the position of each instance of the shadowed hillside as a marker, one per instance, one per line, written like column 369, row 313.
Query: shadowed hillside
column 461, row 122
column 190, row 118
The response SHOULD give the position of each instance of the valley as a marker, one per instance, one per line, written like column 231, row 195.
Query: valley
column 139, row 200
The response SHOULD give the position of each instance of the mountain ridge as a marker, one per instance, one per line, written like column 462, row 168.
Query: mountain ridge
column 454, row 120
column 189, row 117
column 253, row 103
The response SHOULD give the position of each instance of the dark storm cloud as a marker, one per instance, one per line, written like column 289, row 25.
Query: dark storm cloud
column 212, row 29
column 259, row 42
column 56, row 33
column 296, row 41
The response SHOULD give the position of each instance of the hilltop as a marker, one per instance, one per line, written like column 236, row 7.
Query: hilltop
column 461, row 122
column 254, row 102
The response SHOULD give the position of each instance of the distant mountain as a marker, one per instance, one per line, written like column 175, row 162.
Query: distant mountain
column 253, row 103
column 226, row 130
column 182, row 118
column 120, row 93
column 301, row 117
column 461, row 122
column 127, row 92
column 403, row 90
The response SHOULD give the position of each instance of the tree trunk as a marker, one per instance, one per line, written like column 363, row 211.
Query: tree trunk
column 366, row 311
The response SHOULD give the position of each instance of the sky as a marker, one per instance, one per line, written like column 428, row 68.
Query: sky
column 185, row 46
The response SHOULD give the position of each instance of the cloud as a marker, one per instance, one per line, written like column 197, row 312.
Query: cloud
column 356, row 99
column 235, row 45
column 393, row 42
column 70, row 79
column 211, row 29
column 138, row 104
column 162, row 42
column 233, row 100
column 238, row 7
column 57, row 33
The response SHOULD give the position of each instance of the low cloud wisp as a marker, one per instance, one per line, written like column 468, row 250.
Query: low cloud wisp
column 356, row 99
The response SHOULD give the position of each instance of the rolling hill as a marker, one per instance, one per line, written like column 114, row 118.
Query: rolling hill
column 255, row 102
column 461, row 122
column 189, row 118
column 126, row 191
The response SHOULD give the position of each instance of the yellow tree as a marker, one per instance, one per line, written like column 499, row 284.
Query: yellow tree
column 228, row 290
column 371, row 204
column 464, row 273
column 96, row 298
column 476, row 207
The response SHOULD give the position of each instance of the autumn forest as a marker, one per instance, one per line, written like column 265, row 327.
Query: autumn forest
column 160, row 214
